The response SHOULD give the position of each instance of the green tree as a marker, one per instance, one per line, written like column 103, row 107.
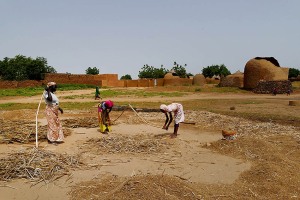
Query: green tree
column 50, row 69
column 92, row 71
column 180, row 70
column 23, row 68
column 223, row 71
column 189, row 74
column 215, row 70
column 152, row 72
column 126, row 77
column 293, row 72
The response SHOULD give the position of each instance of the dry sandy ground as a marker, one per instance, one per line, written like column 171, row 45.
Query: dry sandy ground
column 183, row 157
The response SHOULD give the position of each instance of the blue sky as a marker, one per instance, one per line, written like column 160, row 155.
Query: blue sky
column 120, row 36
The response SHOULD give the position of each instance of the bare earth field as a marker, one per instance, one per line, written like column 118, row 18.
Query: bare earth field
column 138, row 159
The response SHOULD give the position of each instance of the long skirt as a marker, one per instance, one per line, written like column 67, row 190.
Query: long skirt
column 55, row 132
column 179, row 114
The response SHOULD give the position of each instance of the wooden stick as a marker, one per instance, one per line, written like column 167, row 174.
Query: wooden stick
column 193, row 123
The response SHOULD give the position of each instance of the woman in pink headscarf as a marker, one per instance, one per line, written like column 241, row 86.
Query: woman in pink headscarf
column 177, row 108
column 105, row 108
column 55, row 132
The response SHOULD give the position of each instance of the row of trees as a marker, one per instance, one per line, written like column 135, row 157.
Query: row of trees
column 178, row 70
column 152, row 72
column 26, row 68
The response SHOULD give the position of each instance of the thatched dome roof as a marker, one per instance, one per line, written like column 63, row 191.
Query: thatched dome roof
column 263, row 68
column 170, row 76
column 199, row 79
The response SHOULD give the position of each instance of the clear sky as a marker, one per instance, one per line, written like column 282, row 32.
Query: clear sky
column 120, row 36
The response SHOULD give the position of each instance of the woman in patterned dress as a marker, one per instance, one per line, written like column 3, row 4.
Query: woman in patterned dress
column 55, row 132
column 177, row 108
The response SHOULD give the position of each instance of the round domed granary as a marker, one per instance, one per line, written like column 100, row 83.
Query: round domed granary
column 233, row 80
column 263, row 68
column 170, row 76
column 199, row 79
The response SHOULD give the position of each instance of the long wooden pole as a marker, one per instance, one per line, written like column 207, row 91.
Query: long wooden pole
column 36, row 123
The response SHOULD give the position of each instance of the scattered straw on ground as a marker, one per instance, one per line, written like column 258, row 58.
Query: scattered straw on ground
column 36, row 165
column 146, row 187
column 87, row 122
column 274, row 172
column 127, row 144
column 23, row 131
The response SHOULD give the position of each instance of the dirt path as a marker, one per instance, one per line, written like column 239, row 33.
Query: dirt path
column 192, row 96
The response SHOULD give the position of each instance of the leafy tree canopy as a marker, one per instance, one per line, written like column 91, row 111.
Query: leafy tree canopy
column 92, row 71
column 126, row 77
column 293, row 72
column 24, row 68
column 50, row 69
column 152, row 72
column 179, row 70
column 215, row 70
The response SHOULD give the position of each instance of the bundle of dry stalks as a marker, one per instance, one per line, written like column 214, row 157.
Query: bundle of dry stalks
column 36, row 165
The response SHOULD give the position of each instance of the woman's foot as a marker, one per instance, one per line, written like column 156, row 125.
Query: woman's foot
column 173, row 135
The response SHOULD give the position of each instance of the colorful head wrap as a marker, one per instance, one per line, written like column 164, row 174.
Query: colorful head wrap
column 109, row 103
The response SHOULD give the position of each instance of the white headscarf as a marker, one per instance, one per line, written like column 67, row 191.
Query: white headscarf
column 50, row 84
column 163, row 107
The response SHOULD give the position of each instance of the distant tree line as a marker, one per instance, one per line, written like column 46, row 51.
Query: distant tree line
column 92, row 71
column 153, row 72
column 24, row 68
column 215, row 70
column 179, row 70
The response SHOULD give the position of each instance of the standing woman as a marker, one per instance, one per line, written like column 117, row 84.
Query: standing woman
column 97, row 93
column 55, row 132
column 177, row 108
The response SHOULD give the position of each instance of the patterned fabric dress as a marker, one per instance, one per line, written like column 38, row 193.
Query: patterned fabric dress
column 55, row 132
column 177, row 108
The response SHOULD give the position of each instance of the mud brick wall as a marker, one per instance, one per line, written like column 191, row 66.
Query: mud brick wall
column 178, row 81
column 267, row 87
column 8, row 84
column 81, row 78
column 112, row 79
column 120, row 83
column 212, row 80
column 151, row 83
column 160, row 82
column 19, row 84
column 102, row 80
column 131, row 83
column 143, row 83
